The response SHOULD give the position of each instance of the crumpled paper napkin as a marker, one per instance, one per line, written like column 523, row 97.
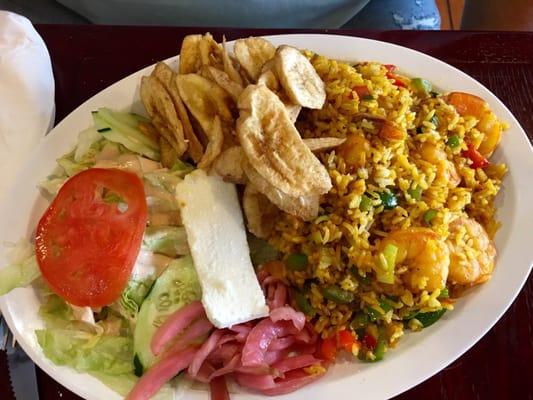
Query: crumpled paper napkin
column 27, row 107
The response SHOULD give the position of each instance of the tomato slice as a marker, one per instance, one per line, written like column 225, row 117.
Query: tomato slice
column 88, row 239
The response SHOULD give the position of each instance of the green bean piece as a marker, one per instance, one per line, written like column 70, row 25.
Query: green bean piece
column 297, row 261
column 336, row 294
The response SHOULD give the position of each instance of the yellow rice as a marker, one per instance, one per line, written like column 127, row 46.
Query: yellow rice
column 343, row 238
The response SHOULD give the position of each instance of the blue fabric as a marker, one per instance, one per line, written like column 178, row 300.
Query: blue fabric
column 394, row 14
column 361, row 14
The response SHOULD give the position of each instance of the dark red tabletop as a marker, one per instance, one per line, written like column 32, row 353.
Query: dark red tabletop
column 88, row 58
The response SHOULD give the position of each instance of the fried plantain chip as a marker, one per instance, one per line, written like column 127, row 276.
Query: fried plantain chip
column 210, row 52
column 223, row 80
column 165, row 74
column 195, row 147
column 274, row 147
column 168, row 154
column 299, row 78
column 269, row 78
column 160, row 108
column 214, row 147
column 204, row 99
column 228, row 165
column 324, row 143
column 304, row 207
column 149, row 130
column 260, row 213
column 229, row 66
column 164, row 131
column 190, row 54
column 252, row 53
column 293, row 110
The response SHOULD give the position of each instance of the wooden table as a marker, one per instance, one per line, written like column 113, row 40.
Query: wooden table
column 86, row 59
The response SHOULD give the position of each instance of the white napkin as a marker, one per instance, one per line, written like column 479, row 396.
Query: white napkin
column 27, row 105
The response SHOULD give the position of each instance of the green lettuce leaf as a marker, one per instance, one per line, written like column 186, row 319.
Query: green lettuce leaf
column 132, row 297
column 168, row 240
column 90, row 143
column 86, row 352
column 18, row 275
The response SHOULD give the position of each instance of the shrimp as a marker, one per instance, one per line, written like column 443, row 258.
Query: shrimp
column 354, row 150
column 425, row 255
column 468, row 104
column 446, row 173
column 472, row 253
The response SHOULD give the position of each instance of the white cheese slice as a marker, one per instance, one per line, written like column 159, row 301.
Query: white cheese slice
column 212, row 217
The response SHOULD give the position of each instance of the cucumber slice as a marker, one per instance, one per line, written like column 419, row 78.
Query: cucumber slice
column 176, row 287
column 130, row 119
column 114, row 130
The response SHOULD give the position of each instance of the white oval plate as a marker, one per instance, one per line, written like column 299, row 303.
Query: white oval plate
column 418, row 355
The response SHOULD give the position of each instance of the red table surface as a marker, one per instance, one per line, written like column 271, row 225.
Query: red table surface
column 86, row 59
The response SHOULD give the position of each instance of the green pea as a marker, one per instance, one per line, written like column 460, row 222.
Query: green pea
column 454, row 141
column 444, row 293
column 336, row 294
column 297, row 261
column 429, row 215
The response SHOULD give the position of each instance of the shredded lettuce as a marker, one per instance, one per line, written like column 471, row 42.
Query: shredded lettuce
column 168, row 240
column 86, row 352
column 90, row 143
column 147, row 268
column 164, row 180
column 18, row 275
column 71, row 167
column 132, row 297
column 52, row 186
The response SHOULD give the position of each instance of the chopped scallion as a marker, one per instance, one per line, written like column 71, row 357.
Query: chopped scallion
column 385, row 273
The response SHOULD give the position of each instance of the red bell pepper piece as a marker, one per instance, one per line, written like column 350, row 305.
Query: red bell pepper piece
column 328, row 348
column 370, row 341
column 345, row 340
column 478, row 160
